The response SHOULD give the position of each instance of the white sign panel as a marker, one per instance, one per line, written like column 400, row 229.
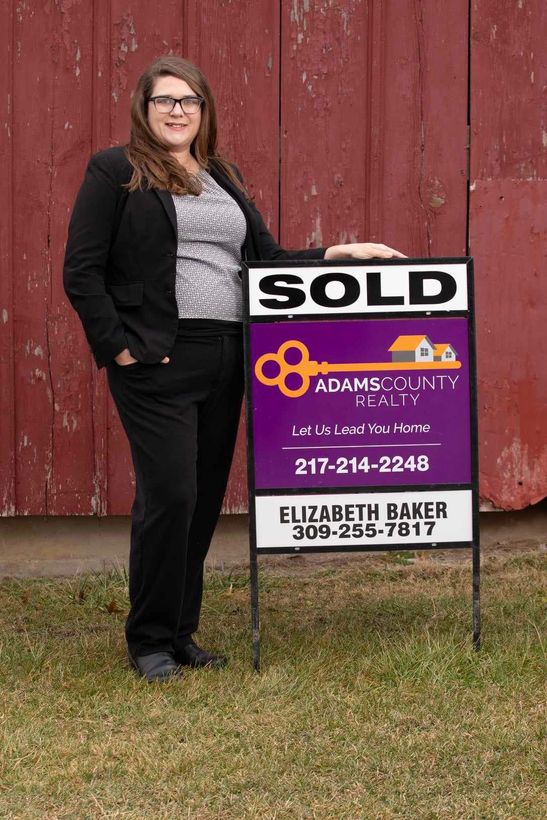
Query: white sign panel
column 370, row 288
column 364, row 519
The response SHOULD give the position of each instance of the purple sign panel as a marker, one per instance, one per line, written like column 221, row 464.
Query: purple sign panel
column 359, row 403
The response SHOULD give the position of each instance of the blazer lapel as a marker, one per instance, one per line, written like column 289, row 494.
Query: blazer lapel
column 225, row 183
column 167, row 202
column 169, row 206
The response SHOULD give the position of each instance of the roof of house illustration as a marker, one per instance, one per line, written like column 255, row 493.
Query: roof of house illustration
column 440, row 349
column 409, row 342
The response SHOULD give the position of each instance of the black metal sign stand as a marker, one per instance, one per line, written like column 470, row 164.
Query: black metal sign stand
column 254, row 269
column 255, row 611
column 476, row 596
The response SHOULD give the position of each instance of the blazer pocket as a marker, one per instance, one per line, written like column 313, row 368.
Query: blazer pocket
column 129, row 295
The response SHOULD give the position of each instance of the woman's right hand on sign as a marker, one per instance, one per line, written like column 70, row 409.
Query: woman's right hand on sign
column 363, row 250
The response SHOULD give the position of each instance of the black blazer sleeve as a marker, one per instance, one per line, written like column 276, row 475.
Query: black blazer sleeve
column 90, row 233
column 266, row 248
column 269, row 249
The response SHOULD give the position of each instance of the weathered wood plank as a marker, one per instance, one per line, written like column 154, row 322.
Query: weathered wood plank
column 71, row 481
column 425, row 97
column 508, row 232
column 100, row 103
column 7, row 403
column 324, row 69
column 33, row 93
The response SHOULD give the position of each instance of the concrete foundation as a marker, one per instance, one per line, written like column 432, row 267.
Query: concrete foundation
column 37, row 547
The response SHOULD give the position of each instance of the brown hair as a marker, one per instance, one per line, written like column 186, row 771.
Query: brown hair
column 153, row 164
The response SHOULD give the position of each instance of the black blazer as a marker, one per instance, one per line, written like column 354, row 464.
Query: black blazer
column 120, row 262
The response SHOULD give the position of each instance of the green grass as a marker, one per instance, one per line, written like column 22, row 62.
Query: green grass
column 371, row 702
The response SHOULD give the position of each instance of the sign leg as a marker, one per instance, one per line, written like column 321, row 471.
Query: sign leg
column 255, row 615
column 476, row 597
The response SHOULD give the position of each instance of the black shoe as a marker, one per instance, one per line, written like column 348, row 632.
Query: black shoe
column 157, row 666
column 192, row 655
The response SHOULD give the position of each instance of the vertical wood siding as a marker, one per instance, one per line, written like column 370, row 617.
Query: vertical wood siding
column 7, row 406
column 508, row 238
column 348, row 119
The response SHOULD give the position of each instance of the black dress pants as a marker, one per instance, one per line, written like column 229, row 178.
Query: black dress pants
column 181, row 420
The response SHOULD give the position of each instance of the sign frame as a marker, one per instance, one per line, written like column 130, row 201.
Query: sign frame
column 252, row 269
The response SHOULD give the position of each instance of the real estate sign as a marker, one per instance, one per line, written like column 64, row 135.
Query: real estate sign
column 361, row 405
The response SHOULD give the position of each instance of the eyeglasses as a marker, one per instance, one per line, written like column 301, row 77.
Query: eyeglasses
column 165, row 105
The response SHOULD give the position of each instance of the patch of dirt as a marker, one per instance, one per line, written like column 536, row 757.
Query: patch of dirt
column 306, row 563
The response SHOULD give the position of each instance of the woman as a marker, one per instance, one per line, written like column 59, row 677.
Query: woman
column 152, row 266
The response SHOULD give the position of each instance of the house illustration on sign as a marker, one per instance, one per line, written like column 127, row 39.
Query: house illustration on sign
column 412, row 349
column 420, row 349
column 444, row 353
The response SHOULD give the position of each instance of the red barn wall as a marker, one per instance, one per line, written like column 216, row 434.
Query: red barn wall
column 349, row 119
column 508, row 238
